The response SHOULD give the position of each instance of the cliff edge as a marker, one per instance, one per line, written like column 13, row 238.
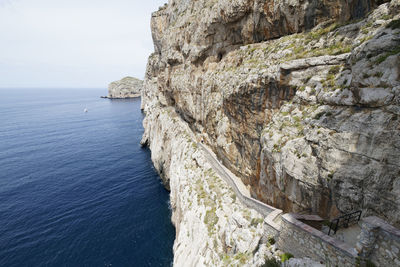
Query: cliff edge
column 299, row 99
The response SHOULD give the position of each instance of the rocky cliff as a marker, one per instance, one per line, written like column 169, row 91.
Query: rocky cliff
column 127, row 87
column 300, row 99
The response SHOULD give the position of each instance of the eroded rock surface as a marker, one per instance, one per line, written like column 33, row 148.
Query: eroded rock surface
column 213, row 228
column 127, row 87
column 301, row 100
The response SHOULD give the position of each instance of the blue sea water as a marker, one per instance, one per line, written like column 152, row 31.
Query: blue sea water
column 76, row 189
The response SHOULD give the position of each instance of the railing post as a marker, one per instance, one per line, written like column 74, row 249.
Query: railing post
column 346, row 219
column 330, row 227
column 337, row 225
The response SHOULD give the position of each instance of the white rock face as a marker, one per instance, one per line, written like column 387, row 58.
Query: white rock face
column 128, row 87
column 308, row 121
column 212, row 227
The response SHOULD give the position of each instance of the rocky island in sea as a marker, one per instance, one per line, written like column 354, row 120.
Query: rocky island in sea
column 127, row 87
column 276, row 126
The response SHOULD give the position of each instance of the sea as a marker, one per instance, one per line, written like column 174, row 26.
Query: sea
column 76, row 188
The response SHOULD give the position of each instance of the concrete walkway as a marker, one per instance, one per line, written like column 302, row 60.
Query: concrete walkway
column 227, row 175
column 349, row 235
column 239, row 188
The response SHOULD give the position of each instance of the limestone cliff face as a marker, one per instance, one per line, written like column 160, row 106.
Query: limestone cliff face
column 299, row 99
column 187, row 31
column 127, row 87
column 212, row 227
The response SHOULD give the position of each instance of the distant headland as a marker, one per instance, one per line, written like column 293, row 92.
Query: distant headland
column 127, row 87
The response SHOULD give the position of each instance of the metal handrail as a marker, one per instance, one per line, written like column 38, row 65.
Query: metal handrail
column 344, row 221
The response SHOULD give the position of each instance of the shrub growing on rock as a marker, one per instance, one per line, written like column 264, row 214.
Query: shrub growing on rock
column 286, row 256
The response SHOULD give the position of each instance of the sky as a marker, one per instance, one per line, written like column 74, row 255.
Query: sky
column 73, row 43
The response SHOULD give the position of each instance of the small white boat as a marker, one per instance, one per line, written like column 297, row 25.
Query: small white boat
column 85, row 110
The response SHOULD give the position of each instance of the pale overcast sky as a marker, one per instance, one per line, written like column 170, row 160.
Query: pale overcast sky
column 73, row 43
